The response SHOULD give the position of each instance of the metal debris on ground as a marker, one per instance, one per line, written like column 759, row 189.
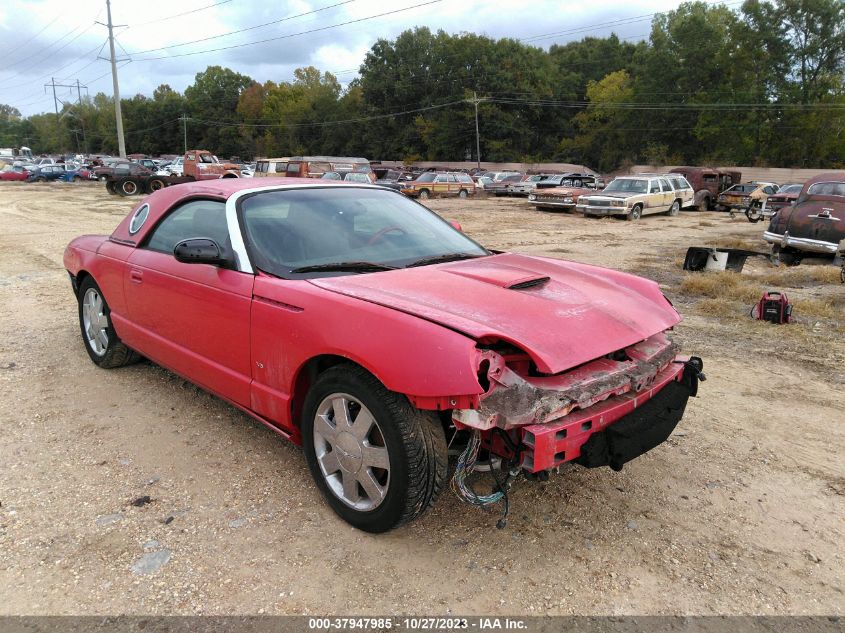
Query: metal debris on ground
column 700, row 258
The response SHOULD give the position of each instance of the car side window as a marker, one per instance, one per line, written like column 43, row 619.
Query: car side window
column 197, row 218
column 769, row 190
column 653, row 187
column 665, row 184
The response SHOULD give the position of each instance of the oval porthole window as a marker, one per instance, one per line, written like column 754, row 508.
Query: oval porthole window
column 138, row 219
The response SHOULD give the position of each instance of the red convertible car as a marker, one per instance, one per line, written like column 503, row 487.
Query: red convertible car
column 360, row 324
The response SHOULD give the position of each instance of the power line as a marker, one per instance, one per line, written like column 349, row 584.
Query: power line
column 283, row 37
column 327, row 123
column 29, row 39
column 179, row 15
column 54, row 72
column 244, row 30
column 61, row 48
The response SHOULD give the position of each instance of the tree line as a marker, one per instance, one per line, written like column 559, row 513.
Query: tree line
column 760, row 85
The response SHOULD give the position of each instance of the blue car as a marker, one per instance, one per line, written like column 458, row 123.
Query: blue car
column 46, row 172
column 76, row 175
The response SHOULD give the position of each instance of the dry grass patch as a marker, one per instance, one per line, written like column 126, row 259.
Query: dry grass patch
column 744, row 243
column 723, row 285
column 826, row 308
column 800, row 276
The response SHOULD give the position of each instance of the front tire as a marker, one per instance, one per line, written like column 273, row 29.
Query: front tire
column 635, row 214
column 424, row 195
column 127, row 187
column 462, row 193
column 101, row 341
column 378, row 461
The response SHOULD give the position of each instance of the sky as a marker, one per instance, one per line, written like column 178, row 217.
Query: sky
column 42, row 40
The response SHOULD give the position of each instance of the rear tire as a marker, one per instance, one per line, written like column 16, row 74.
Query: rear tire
column 101, row 341
column 409, row 443
column 154, row 184
column 754, row 212
column 675, row 208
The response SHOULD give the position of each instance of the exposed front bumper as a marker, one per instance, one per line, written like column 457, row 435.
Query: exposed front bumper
column 589, row 209
column 553, row 203
column 801, row 243
column 613, row 432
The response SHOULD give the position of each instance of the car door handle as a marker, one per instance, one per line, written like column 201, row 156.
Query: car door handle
column 136, row 276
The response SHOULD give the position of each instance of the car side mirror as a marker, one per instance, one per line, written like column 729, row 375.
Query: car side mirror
column 456, row 225
column 202, row 251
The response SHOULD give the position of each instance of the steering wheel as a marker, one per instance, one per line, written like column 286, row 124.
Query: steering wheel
column 381, row 233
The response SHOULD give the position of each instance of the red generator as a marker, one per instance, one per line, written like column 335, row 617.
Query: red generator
column 774, row 307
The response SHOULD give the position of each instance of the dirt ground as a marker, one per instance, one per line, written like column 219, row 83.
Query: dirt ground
column 740, row 512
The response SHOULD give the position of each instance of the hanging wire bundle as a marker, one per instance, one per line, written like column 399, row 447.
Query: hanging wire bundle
column 466, row 465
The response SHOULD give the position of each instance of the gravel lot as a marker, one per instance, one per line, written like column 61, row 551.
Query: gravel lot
column 740, row 512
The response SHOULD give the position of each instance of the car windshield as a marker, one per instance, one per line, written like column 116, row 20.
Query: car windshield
column 429, row 176
column 357, row 177
column 320, row 226
column 791, row 189
column 743, row 188
column 627, row 185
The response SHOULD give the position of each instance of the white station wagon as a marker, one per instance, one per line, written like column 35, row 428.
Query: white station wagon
column 635, row 196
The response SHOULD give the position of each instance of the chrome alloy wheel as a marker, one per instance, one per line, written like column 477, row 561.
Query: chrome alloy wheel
column 95, row 322
column 351, row 452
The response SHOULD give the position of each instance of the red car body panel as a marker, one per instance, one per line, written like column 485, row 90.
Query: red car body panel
column 14, row 175
column 582, row 312
column 249, row 338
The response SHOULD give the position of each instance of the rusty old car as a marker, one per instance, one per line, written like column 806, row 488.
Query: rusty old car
column 745, row 196
column 558, row 198
column 707, row 183
column 814, row 225
column 785, row 196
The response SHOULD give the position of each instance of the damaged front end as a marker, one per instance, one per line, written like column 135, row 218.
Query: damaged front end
column 603, row 413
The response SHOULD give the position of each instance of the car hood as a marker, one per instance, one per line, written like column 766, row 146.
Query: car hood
column 615, row 196
column 561, row 313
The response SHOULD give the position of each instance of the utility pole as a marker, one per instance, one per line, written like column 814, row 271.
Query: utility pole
column 477, row 137
column 55, row 102
column 81, row 122
column 117, row 113
column 185, row 131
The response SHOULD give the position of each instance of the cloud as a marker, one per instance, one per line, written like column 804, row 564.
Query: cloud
column 67, row 48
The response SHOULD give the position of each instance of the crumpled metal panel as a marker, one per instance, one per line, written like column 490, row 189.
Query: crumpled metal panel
column 513, row 400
